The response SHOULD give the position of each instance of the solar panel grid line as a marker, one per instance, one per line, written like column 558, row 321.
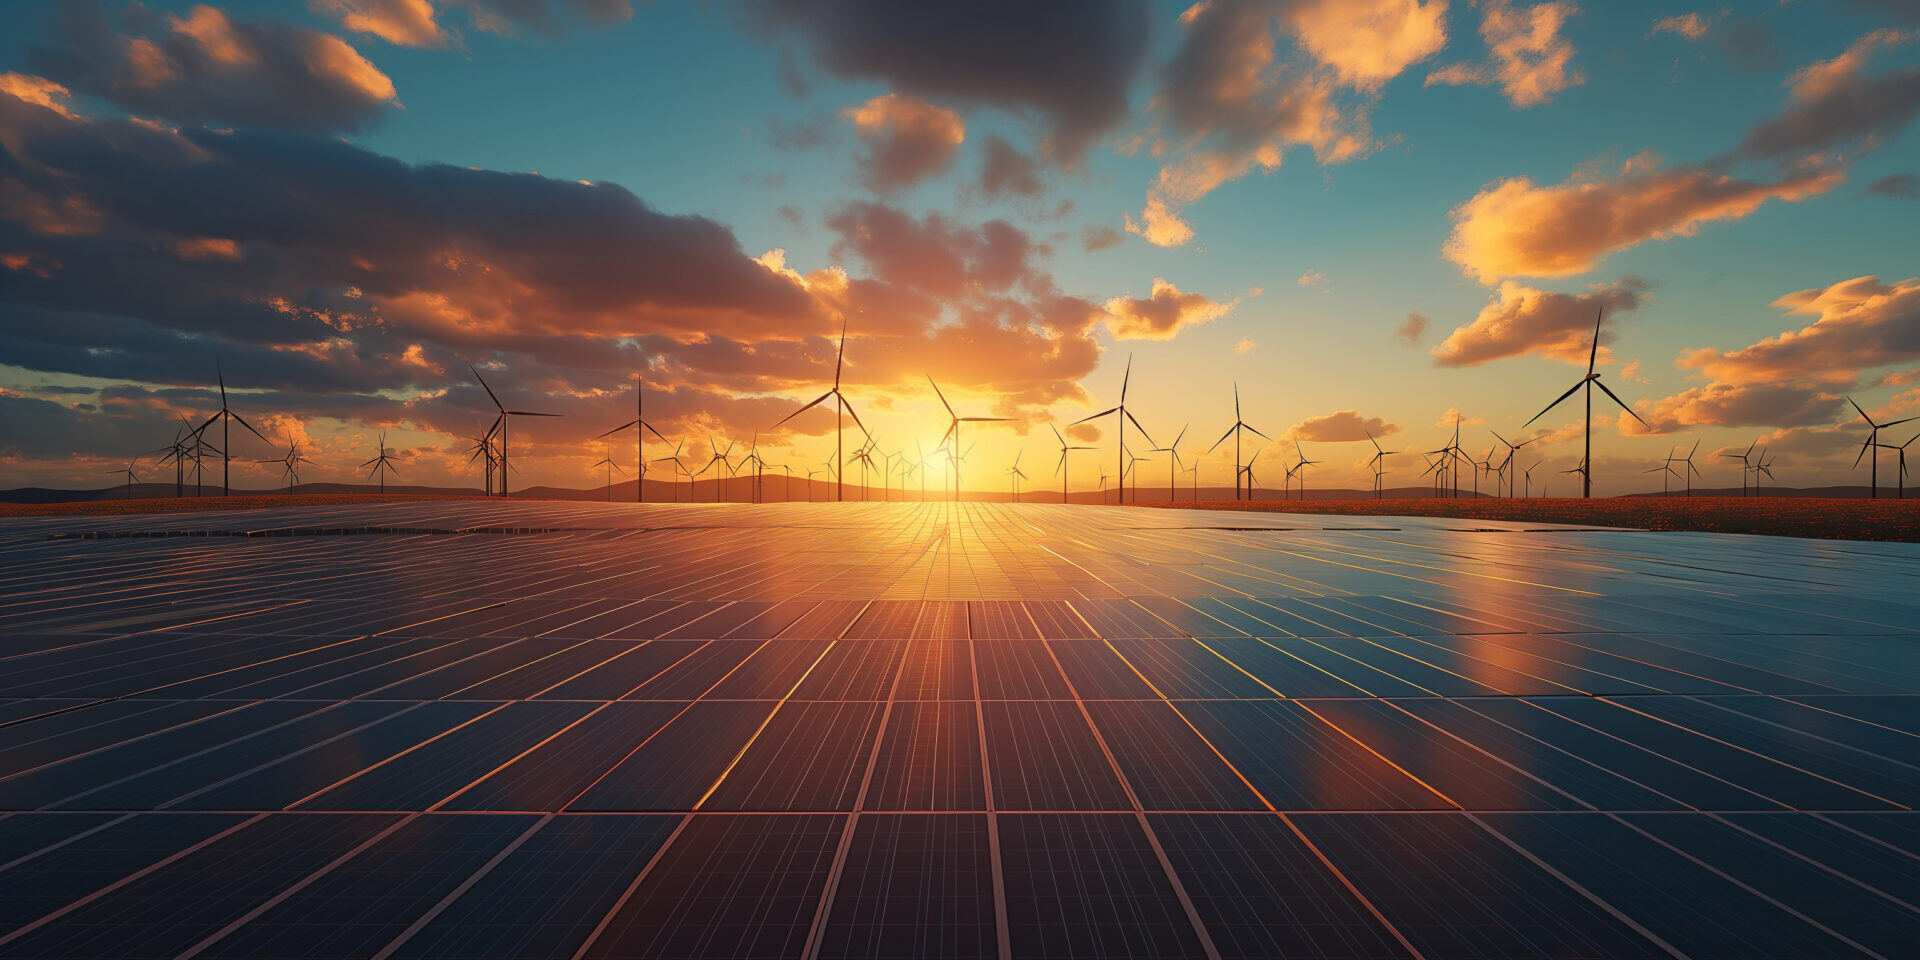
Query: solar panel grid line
column 818, row 930
column 1818, row 864
column 1624, row 704
column 1611, row 910
column 344, row 708
column 1002, row 933
column 420, row 923
column 28, row 928
column 1159, row 852
column 383, row 762
column 113, row 820
column 201, row 946
column 1750, row 889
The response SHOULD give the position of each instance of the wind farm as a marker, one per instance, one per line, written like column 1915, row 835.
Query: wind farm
column 609, row 532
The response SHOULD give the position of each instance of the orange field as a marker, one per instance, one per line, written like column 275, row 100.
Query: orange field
column 1831, row 519
column 105, row 508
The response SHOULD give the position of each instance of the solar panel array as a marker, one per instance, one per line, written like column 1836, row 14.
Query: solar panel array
column 467, row 729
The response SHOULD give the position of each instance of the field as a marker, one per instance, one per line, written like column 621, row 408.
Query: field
column 1825, row 519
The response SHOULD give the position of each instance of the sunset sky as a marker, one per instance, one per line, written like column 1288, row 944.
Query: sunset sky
column 1368, row 213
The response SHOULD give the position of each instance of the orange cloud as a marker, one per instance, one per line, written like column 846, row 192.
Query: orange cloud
column 405, row 23
column 1692, row 26
column 207, row 248
column 37, row 90
column 1859, row 324
column 1369, row 42
column 1344, row 426
column 907, row 140
column 1835, row 103
column 207, row 67
column 1238, row 106
column 1162, row 315
column 1530, row 61
column 1522, row 320
column 1514, row 227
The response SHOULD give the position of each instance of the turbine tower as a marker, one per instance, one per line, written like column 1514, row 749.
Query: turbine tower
column 640, row 427
column 953, row 430
column 505, row 418
column 1589, row 381
column 841, row 410
column 1873, row 443
column 227, row 415
column 1235, row 431
column 1121, row 416
column 1060, row 469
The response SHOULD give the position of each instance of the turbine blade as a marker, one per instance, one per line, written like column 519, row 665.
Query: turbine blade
column 483, row 386
column 943, row 397
column 1094, row 417
column 1593, row 352
column 1622, row 403
column 1550, row 406
column 810, row 406
column 615, row 430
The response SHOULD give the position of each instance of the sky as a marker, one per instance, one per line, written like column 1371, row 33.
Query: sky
column 1371, row 216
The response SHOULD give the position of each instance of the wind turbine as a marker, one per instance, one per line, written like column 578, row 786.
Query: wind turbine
column 1172, row 450
column 227, row 415
column 483, row 447
column 179, row 451
column 864, row 457
column 1122, row 416
column 384, row 462
column 678, row 469
column 1239, row 425
column 1746, row 464
column 1015, row 476
column 640, row 426
column 290, row 464
column 1253, row 479
column 132, row 478
column 1761, row 465
column 1103, row 484
column 1512, row 448
column 1873, row 442
column 1527, row 491
column 724, row 459
column 810, row 474
column 1060, row 469
column 1691, row 471
column 841, row 410
column 1666, row 471
column 1379, row 463
column 1590, row 381
column 1299, row 469
column 1132, row 464
column 504, row 420
column 953, row 430
column 1902, row 451
column 607, row 461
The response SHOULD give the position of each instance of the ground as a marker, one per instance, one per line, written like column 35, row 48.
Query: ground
column 493, row 729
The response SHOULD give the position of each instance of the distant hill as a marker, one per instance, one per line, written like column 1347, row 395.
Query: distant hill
column 776, row 488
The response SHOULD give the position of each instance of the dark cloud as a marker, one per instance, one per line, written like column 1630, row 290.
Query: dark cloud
column 905, row 140
column 1413, row 329
column 1071, row 61
column 507, row 17
column 1837, row 104
column 1903, row 185
column 933, row 254
column 1006, row 172
column 1100, row 236
column 206, row 67
column 336, row 284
